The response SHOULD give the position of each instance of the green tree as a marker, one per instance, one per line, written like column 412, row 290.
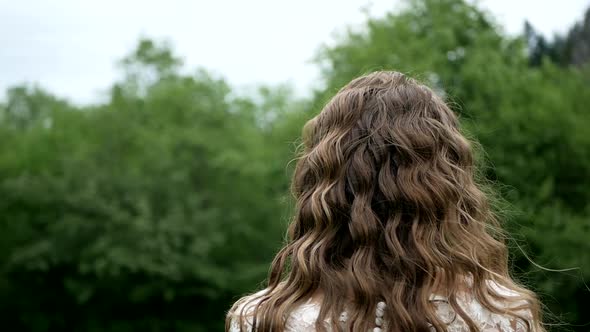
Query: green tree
column 573, row 48
column 149, row 212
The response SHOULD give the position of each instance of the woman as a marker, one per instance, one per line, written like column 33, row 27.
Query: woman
column 390, row 233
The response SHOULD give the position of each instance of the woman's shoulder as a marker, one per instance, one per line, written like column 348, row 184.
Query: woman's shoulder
column 247, row 304
column 503, row 298
column 241, row 312
column 302, row 318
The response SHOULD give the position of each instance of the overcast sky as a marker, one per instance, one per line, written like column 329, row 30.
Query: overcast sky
column 70, row 46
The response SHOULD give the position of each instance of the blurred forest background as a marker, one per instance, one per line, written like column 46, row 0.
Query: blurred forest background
column 155, row 210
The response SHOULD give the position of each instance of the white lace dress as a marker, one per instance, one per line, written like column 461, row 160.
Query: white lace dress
column 303, row 318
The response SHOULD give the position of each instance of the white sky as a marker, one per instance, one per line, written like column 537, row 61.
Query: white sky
column 70, row 46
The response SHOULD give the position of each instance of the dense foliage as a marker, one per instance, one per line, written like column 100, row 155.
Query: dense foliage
column 155, row 210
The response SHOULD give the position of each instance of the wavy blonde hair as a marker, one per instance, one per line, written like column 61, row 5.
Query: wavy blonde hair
column 387, row 209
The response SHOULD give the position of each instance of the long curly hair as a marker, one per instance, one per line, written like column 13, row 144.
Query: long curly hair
column 387, row 209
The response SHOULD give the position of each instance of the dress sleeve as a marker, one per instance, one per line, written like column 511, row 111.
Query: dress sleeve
column 235, row 324
column 242, row 313
column 302, row 319
column 509, row 323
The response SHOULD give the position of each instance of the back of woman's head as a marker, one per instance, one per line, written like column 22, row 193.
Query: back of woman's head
column 387, row 209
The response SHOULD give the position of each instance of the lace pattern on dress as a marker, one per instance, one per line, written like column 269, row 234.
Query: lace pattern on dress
column 304, row 317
